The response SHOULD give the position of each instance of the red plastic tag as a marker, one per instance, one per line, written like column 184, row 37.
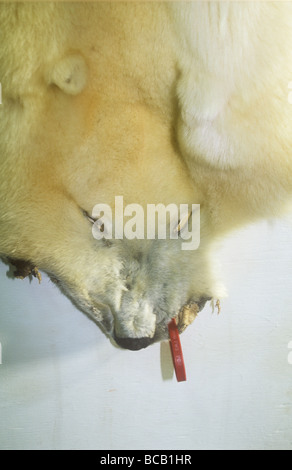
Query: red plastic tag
column 176, row 350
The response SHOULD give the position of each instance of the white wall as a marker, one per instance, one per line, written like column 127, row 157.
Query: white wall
column 64, row 386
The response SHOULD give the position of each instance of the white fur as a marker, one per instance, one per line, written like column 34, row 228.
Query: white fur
column 180, row 102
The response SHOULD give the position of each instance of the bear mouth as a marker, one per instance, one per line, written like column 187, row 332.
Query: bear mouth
column 187, row 314
column 185, row 317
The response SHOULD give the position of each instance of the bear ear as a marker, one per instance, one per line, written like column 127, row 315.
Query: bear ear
column 69, row 74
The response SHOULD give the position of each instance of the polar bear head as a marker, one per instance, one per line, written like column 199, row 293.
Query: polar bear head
column 90, row 148
column 113, row 102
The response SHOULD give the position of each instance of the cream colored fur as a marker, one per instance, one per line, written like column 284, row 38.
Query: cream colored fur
column 160, row 103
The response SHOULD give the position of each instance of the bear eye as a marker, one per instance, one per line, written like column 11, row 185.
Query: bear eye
column 99, row 230
column 182, row 223
column 88, row 217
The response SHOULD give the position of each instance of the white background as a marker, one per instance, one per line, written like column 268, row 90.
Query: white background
column 64, row 386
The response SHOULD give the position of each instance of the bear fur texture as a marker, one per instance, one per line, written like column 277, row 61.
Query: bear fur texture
column 156, row 102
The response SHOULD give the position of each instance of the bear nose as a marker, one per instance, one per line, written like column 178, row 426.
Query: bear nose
column 134, row 344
